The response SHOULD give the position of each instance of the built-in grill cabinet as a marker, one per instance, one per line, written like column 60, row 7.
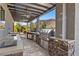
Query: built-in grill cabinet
column 44, row 37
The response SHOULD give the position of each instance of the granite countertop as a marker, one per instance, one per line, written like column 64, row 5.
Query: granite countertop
column 37, row 33
column 62, row 39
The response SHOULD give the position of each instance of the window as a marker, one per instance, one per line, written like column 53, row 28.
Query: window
column 2, row 18
column 2, row 14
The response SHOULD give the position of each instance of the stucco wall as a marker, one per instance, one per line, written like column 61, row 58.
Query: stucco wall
column 77, row 29
column 70, row 20
column 59, row 20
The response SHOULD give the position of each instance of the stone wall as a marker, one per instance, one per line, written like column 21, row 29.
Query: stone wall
column 59, row 47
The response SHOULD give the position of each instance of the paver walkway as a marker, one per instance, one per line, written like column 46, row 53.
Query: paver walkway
column 33, row 49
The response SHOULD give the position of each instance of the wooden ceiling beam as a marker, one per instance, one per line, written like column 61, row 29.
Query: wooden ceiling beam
column 23, row 9
column 27, row 6
column 39, row 5
column 22, row 13
column 52, row 3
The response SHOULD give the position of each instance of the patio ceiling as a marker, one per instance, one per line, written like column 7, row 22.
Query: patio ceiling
column 29, row 11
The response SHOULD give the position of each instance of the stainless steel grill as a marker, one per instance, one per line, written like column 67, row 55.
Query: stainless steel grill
column 44, row 36
column 45, row 33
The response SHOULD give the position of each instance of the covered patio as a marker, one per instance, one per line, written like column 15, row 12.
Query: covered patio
column 40, row 42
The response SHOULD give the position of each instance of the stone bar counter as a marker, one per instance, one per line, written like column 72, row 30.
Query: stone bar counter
column 13, row 45
column 61, row 47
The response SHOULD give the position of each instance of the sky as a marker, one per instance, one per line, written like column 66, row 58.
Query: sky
column 47, row 16
column 50, row 15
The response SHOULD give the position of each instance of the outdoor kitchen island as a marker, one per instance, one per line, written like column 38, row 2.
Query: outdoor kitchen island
column 55, row 46
column 11, row 45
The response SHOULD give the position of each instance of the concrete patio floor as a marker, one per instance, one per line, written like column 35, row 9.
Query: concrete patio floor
column 33, row 49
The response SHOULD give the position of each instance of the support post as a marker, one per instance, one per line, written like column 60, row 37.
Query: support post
column 30, row 25
column 64, row 22
column 37, row 24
